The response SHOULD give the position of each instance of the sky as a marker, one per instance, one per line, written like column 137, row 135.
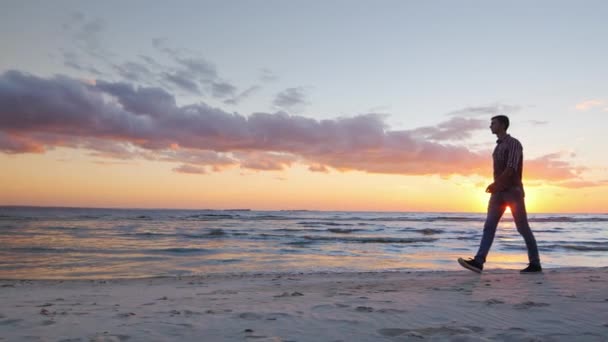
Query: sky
column 281, row 105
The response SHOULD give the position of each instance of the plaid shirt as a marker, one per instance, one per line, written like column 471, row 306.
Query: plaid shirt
column 508, row 153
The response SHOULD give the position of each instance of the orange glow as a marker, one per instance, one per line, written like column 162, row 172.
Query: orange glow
column 63, row 177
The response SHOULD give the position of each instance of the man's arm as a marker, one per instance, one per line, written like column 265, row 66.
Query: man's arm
column 515, row 156
column 500, row 182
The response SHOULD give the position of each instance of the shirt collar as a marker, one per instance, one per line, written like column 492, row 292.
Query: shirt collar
column 503, row 139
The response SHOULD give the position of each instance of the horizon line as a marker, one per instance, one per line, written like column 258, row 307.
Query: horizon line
column 3, row 206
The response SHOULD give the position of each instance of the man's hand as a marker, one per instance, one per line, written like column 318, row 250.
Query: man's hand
column 492, row 188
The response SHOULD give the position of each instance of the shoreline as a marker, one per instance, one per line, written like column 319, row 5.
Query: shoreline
column 219, row 275
column 561, row 304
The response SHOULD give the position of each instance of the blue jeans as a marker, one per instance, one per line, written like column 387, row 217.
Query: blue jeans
column 514, row 198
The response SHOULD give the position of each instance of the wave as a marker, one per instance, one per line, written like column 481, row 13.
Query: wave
column 177, row 250
column 325, row 223
column 426, row 231
column 587, row 246
column 370, row 239
column 568, row 219
column 344, row 230
column 581, row 246
column 297, row 230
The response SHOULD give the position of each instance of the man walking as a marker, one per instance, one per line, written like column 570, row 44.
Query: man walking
column 507, row 190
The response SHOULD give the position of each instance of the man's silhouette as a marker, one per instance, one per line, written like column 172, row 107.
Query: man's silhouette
column 507, row 190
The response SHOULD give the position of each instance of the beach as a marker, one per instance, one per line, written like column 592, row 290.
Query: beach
column 563, row 304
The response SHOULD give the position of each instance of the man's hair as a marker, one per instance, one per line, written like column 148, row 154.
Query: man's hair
column 503, row 119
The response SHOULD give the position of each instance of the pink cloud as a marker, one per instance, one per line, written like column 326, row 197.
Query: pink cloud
column 550, row 167
column 577, row 184
column 190, row 169
column 589, row 104
column 121, row 121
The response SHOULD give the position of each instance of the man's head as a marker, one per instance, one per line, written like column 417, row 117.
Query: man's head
column 499, row 123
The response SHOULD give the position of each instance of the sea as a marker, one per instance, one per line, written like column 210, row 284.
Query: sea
column 84, row 243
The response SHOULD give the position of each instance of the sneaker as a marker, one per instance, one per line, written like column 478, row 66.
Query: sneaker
column 532, row 269
column 471, row 264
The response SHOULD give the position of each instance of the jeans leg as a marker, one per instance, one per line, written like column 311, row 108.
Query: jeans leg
column 518, row 209
column 496, row 207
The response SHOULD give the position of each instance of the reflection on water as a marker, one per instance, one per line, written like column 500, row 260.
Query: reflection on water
column 103, row 243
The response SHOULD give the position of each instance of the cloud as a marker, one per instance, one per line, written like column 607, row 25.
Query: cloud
column 589, row 104
column 267, row 75
column 190, row 169
column 318, row 168
column 12, row 144
column 457, row 128
column 243, row 95
column 290, row 97
column 265, row 161
column 492, row 109
column 183, row 80
column 185, row 71
column 72, row 61
column 85, row 34
column 222, row 89
column 538, row 122
column 578, row 184
column 198, row 68
column 122, row 121
column 551, row 167
column 135, row 72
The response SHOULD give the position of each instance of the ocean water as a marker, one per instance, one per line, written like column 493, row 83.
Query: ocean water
column 80, row 243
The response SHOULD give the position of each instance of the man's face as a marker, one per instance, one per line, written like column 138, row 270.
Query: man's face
column 495, row 126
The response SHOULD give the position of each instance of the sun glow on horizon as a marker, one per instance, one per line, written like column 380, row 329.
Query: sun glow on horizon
column 75, row 179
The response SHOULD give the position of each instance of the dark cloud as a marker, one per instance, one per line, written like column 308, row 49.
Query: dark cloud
column 493, row 109
column 183, row 81
column 135, row 72
column 122, row 121
column 222, row 89
column 290, row 97
column 150, row 101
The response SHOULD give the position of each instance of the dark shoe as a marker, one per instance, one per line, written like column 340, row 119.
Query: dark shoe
column 471, row 264
column 532, row 269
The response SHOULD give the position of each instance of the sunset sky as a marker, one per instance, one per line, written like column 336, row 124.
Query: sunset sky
column 330, row 105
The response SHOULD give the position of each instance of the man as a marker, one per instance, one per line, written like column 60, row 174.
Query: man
column 507, row 190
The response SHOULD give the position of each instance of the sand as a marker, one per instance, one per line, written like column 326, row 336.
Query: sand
column 557, row 305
